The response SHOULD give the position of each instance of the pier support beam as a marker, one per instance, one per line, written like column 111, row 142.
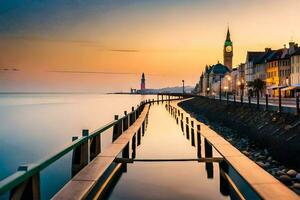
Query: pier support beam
column 187, row 130
column 208, row 149
column 117, row 130
column 139, row 136
column 95, row 147
column 125, row 121
column 198, row 141
column 81, row 154
column 29, row 189
column 192, row 134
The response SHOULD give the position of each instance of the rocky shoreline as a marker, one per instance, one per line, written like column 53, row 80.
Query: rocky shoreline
column 248, row 135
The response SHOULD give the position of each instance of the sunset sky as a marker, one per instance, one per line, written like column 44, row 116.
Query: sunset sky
column 169, row 40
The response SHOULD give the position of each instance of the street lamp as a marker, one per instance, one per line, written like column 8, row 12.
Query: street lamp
column 182, row 86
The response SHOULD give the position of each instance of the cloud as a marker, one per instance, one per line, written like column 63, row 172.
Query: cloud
column 43, row 39
column 9, row 69
column 91, row 72
column 125, row 50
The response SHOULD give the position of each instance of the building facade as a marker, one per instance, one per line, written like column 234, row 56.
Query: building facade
column 295, row 68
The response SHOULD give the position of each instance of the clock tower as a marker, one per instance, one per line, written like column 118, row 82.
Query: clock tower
column 228, row 51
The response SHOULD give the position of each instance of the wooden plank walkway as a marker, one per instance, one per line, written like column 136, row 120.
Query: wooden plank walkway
column 83, row 182
column 260, row 180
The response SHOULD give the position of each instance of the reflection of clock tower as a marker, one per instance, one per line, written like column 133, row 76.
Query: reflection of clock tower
column 228, row 51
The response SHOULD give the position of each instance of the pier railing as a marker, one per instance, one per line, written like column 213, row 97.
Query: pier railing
column 25, row 183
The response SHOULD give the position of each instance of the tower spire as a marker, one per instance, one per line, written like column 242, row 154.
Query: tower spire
column 228, row 34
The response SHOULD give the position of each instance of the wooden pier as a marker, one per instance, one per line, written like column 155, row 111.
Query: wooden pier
column 94, row 171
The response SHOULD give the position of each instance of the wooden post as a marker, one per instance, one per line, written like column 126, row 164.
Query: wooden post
column 249, row 100
column 234, row 101
column 116, row 129
column 133, row 146
column 125, row 152
column 132, row 116
column 279, row 106
column 297, row 104
column 208, row 149
column 29, row 189
column 227, row 98
column 139, row 136
column 125, row 121
column 257, row 100
column 192, row 134
column 81, row 154
column 198, row 141
column 181, row 125
column 187, row 129
column 143, row 128
column 267, row 102
column 95, row 147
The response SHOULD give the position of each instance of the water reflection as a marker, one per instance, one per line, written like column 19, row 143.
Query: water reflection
column 171, row 180
column 34, row 126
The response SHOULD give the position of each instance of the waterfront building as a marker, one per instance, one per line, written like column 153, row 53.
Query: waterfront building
column 295, row 72
column 259, row 67
column 228, row 51
column 212, row 77
column 240, row 79
column 278, row 72
column 252, row 58
column 233, row 80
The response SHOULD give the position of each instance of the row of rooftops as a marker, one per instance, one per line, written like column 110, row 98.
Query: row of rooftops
column 216, row 69
column 257, row 57
column 260, row 57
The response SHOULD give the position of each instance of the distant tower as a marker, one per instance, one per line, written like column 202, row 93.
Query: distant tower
column 143, row 83
column 228, row 51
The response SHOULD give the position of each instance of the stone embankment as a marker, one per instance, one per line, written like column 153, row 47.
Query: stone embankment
column 270, row 139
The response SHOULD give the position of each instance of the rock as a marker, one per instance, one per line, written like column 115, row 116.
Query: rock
column 285, row 179
column 257, row 154
column 246, row 153
column 296, row 186
column 288, row 127
column 262, row 158
column 280, row 173
column 297, row 177
column 261, row 164
column 291, row 173
column 269, row 158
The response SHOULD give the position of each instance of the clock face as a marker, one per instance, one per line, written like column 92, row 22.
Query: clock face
column 228, row 48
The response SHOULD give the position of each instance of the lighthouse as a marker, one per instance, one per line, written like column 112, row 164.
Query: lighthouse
column 143, row 83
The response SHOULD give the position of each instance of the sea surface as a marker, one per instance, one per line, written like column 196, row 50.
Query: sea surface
column 34, row 126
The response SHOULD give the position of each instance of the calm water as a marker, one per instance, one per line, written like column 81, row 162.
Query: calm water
column 168, row 180
column 36, row 125
column 33, row 126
